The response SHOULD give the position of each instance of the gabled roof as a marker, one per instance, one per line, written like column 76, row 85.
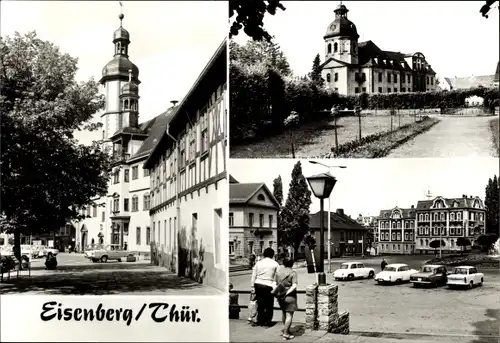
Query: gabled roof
column 241, row 193
column 336, row 60
column 337, row 222
column 406, row 213
column 463, row 202
column 155, row 128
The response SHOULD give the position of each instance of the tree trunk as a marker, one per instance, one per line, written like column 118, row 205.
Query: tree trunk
column 359, row 122
column 335, row 131
column 17, row 245
column 291, row 143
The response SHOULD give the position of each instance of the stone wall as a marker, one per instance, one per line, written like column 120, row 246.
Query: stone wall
column 322, row 310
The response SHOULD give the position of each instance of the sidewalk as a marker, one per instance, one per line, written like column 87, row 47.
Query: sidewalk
column 241, row 331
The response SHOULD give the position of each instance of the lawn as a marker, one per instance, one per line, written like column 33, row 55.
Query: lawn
column 315, row 139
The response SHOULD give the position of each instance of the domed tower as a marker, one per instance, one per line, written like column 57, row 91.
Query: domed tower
column 118, row 72
column 129, row 103
column 341, row 38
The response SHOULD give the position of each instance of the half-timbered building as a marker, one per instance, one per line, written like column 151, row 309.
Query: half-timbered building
column 188, row 183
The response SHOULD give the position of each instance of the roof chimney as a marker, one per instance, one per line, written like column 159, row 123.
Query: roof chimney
column 340, row 211
column 174, row 102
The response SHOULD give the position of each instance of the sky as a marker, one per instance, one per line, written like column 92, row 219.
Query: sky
column 453, row 36
column 171, row 41
column 368, row 186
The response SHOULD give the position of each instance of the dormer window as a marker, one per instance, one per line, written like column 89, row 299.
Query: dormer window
column 261, row 197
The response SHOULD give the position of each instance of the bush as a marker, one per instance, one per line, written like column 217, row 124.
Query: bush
column 7, row 263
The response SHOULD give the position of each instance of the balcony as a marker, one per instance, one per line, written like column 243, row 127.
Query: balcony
column 119, row 156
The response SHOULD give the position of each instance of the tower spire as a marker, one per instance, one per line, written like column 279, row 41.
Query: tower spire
column 121, row 16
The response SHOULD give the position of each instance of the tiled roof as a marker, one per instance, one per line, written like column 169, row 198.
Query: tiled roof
column 405, row 212
column 337, row 222
column 471, row 82
column 155, row 129
column 463, row 202
column 232, row 179
column 369, row 51
column 241, row 193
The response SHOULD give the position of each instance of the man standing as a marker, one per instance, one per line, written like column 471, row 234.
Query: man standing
column 263, row 283
column 383, row 264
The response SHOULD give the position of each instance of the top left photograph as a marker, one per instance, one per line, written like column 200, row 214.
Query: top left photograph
column 114, row 148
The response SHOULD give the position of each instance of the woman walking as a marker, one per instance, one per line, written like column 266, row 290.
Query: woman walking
column 287, row 279
column 263, row 283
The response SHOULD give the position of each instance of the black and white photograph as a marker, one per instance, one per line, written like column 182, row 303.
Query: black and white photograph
column 114, row 137
column 411, row 250
column 364, row 79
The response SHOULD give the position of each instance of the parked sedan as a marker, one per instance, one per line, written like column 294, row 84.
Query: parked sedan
column 395, row 273
column 352, row 270
column 465, row 276
column 432, row 275
column 109, row 252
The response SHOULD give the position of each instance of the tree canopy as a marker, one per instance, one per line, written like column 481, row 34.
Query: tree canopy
column 250, row 17
column 294, row 217
column 492, row 204
column 46, row 175
column 315, row 74
column 278, row 189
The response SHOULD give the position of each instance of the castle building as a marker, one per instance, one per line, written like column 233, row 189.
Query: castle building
column 447, row 220
column 352, row 67
column 253, row 219
column 396, row 228
column 188, row 183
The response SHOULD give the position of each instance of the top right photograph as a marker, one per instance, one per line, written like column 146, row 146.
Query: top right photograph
column 356, row 79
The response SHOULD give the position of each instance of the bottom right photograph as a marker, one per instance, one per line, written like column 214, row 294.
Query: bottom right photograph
column 358, row 250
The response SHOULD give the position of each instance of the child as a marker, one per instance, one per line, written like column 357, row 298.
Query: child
column 234, row 309
column 252, row 309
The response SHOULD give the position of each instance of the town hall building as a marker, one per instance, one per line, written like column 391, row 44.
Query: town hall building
column 353, row 67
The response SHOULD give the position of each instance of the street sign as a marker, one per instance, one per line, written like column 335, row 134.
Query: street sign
column 313, row 259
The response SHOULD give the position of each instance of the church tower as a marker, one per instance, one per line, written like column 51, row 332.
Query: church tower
column 120, row 79
column 341, row 38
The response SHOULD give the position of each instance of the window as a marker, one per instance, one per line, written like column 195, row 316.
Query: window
column 147, row 202
column 270, row 244
column 126, row 175
column 388, row 77
column 261, row 220
column 336, row 77
column 116, row 176
column 135, row 203
column 231, row 248
column 270, row 221
column 356, row 90
column 395, row 90
column 395, row 78
column 146, row 172
column 380, row 78
column 363, row 89
column 138, row 236
column 125, row 204
column 432, row 81
column 116, row 205
column 403, row 89
column 329, row 48
column 398, row 237
column 204, row 130
column 393, row 236
column 459, row 231
column 231, row 219
column 328, row 77
column 148, row 235
column 194, row 221
column 335, row 47
column 342, row 236
column 94, row 211
column 399, row 248
column 250, row 219
column 409, row 78
column 380, row 89
column 135, row 173
column 406, row 236
column 103, row 216
column 192, row 146
column 427, row 78
column 388, row 90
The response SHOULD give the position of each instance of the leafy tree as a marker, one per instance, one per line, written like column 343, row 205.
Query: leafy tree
column 315, row 73
column 486, row 241
column 492, row 205
column 295, row 213
column 278, row 189
column 250, row 15
column 46, row 175
column 436, row 244
column 266, row 52
column 370, row 238
column 486, row 8
column 463, row 242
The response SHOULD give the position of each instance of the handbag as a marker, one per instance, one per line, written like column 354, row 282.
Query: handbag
column 280, row 290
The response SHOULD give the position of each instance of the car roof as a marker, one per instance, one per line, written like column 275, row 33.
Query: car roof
column 433, row 265
column 352, row 262
column 466, row 267
column 397, row 265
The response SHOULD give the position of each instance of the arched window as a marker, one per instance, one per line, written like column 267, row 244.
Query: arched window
column 126, row 104
column 427, row 217
column 459, row 216
column 442, row 216
column 426, row 242
column 329, row 48
column 436, row 217
column 335, row 47
column 421, row 217
column 421, row 242
column 328, row 77
column 260, row 197
column 452, row 242
column 452, row 216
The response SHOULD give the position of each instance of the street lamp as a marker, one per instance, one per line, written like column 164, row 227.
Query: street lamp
column 329, row 208
column 321, row 185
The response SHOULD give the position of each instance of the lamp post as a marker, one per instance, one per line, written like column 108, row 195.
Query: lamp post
column 329, row 209
column 322, row 186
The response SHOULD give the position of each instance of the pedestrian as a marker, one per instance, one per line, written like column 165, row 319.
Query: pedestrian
column 252, row 308
column 286, row 293
column 383, row 264
column 263, row 283
column 51, row 261
column 234, row 309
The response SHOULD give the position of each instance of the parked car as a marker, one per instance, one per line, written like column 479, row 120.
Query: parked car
column 430, row 274
column 90, row 248
column 395, row 273
column 108, row 252
column 53, row 250
column 6, row 250
column 465, row 276
column 352, row 270
column 28, row 252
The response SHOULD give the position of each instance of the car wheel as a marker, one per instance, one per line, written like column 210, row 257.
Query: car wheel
column 94, row 260
column 104, row 259
column 471, row 284
column 371, row 275
column 350, row 277
column 399, row 281
column 416, row 285
column 481, row 283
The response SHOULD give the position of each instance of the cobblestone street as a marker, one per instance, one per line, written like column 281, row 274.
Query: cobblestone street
column 77, row 276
